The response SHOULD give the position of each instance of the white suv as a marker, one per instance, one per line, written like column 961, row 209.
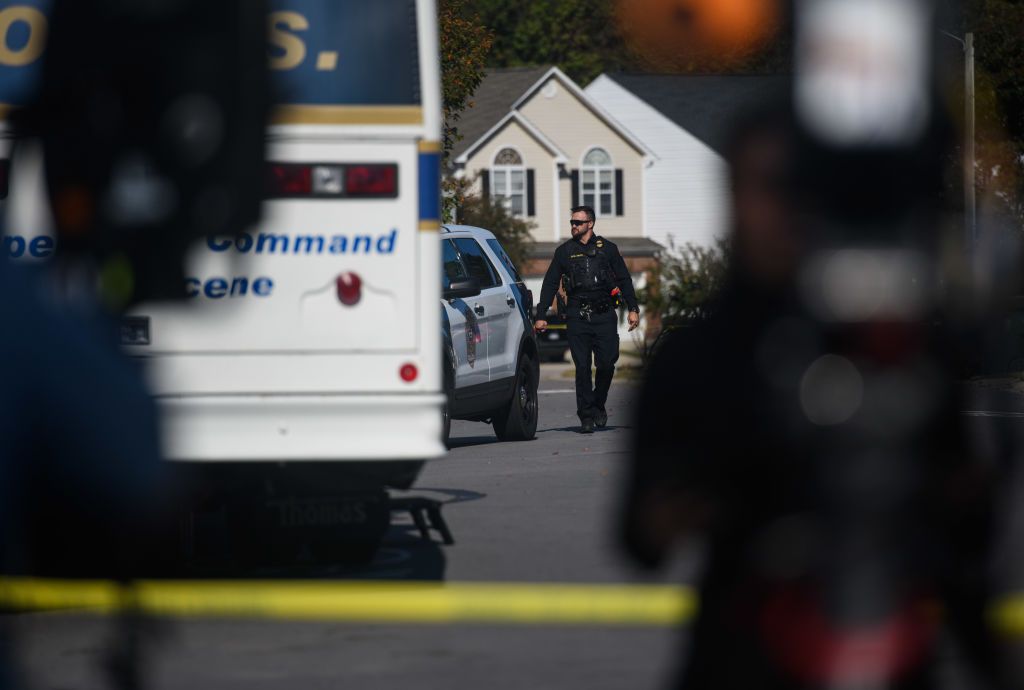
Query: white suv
column 491, row 363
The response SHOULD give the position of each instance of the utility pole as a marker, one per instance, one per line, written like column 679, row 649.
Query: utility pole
column 970, row 206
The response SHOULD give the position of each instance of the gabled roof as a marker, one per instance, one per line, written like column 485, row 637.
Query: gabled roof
column 513, row 116
column 492, row 101
column 704, row 105
column 593, row 107
column 499, row 96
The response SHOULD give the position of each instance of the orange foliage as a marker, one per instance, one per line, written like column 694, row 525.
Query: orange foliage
column 680, row 34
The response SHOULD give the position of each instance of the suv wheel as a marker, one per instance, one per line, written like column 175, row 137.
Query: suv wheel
column 518, row 420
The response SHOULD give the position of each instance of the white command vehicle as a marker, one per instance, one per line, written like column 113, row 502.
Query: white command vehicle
column 309, row 345
column 491, row 363
column 305, row 363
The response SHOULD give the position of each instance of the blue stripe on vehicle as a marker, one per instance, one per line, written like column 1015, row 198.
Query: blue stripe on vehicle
column 430, row 186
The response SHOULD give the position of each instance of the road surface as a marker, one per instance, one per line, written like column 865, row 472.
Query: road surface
column 539, row 511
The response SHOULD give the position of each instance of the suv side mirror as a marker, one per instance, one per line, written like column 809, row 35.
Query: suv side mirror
column 461, row 289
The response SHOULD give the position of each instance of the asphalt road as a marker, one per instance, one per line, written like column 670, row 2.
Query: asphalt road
column 538, row 511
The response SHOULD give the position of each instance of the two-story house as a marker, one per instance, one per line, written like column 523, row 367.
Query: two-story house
column 535, row 140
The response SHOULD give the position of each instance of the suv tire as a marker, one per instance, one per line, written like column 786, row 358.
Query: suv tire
column 517, row 421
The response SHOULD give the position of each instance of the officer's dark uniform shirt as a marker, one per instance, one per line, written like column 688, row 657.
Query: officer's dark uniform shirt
column 596, row 267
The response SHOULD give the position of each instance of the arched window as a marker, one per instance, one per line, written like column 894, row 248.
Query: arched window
column 597, row 187
column 508, row 181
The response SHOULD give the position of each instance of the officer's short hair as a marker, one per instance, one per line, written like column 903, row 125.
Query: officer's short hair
column 585, row 209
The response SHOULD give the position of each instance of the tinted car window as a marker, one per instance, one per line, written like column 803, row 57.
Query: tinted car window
column 477, row 263
column 504, row 258
column 453, row 268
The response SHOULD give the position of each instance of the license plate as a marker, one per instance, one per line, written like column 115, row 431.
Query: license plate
column 318, row 512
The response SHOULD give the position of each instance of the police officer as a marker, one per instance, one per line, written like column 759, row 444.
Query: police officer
column 595, row 279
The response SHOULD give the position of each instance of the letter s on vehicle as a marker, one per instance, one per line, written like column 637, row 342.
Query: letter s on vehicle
column 294, row 50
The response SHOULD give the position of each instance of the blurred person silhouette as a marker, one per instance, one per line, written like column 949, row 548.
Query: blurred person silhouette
column 83, row 488
column 829, row 548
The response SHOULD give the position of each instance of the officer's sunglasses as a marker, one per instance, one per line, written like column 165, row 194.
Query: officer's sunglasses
column 575, row 223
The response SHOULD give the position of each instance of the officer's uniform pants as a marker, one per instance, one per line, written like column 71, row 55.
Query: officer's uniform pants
column 597, row 339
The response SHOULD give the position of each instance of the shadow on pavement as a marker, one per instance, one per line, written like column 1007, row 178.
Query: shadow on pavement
column 465, row 441
column 411, row 548
column 576, row 429
column 403, row 554
column 454, row 495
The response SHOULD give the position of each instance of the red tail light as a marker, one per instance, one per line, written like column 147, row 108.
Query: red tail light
column 289, row 180
column 350, row 288
column 371, row 180
column 331, row 180
column 408, row 372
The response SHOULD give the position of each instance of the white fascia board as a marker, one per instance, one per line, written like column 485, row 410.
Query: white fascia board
column 593, row 107
column 526, row 125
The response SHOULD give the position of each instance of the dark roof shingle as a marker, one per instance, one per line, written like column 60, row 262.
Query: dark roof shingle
column 706, row 106
column 493, row 99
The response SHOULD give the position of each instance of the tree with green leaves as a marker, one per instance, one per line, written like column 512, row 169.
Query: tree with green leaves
column 583, row 38
column 580, row 36
column 513, row 233
column 465, row 45
column 680, row 289
column 998, row 27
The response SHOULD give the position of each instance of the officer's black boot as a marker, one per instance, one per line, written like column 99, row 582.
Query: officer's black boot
column 600, row 418
column 587, row 427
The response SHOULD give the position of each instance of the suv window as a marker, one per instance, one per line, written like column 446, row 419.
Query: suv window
column 479, row 266
column 499, row 251
column 453, row 268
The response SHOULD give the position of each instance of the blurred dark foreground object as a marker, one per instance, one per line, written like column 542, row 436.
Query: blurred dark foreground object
column 829, row 558
column 85, row 491
column 152, row 116
column 821, row 456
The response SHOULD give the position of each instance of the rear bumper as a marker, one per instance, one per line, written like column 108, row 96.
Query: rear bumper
column 301, row 428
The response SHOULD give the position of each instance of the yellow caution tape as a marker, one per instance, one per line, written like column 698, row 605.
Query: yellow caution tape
column 379, row 602
column 393, row 602
column 1007, row 615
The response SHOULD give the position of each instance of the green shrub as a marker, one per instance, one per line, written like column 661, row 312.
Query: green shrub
column 680, row 289
column 513, row 233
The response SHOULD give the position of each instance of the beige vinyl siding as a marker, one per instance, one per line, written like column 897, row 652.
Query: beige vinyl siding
column 535, row 157
column 574, row 128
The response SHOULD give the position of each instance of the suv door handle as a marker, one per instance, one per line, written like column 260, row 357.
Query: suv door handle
column 511, row 302
column 479, row 309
